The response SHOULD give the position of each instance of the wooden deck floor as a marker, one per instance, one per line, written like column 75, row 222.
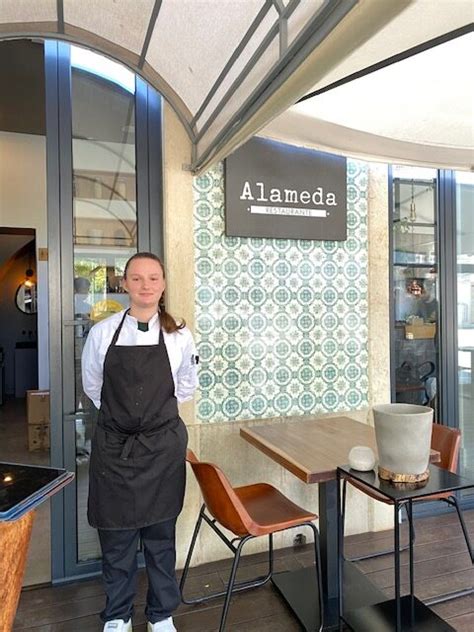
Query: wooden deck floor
column 441, row 565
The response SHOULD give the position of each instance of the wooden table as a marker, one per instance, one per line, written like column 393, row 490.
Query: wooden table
column 312, row 451
column 22, row 488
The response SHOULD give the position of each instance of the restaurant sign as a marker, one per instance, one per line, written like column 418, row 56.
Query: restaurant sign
column 277, row 190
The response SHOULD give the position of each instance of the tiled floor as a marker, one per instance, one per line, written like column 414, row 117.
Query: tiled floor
column 442, row 564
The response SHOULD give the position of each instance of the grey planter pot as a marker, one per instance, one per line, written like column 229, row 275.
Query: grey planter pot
column 403, row 434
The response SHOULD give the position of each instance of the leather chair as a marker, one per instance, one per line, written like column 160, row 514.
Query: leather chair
column 447, row 442
column 248, row 512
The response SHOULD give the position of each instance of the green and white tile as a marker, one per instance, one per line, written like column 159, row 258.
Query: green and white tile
column 281, row 325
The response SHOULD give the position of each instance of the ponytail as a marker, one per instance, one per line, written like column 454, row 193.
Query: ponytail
column 167, row 321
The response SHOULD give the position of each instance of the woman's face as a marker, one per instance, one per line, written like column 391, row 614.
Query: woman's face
column 144, row 283
column 414, row 288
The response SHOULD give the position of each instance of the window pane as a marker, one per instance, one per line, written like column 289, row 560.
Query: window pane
column 416, row 287
column 465, row 292
column 104, row 227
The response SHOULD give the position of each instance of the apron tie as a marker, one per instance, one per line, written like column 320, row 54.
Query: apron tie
column 128, row 445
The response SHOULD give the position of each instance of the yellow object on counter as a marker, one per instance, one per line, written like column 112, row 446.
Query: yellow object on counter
column 420, row 330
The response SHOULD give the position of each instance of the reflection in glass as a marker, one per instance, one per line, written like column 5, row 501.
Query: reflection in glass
column 25, row 297
column 416, row 288
column 465, row 294
column 104, row 227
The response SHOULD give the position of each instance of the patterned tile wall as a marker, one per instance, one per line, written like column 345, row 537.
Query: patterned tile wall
column 281, row 325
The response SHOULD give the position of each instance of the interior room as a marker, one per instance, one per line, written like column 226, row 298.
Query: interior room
column 18, row 340
column 25, row 438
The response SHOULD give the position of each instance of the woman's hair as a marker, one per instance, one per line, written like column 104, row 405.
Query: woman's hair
column 167, row 321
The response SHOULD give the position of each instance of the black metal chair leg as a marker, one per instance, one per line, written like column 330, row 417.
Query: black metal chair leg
column 411, row 524
column 190, row 554
column 412, row 527
column 343, row 514
column 411, row 541
column 234, row 586
column 270, row 556
column 369, row 556
column 238, row 586
column 340, row 550
column 230, row 585
column 319, row 577
column 454, row 501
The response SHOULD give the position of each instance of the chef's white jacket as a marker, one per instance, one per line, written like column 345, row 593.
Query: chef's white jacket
column 179, row 345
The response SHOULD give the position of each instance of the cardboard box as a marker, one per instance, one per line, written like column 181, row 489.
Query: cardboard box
column 418, row 331
column 37, row 407
column 38, row 437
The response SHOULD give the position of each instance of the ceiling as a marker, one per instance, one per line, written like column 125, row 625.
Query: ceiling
column 22, row 106
column 228, row 67
column 11, row 244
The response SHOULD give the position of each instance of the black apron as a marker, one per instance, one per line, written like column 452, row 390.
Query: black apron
column 137, row 469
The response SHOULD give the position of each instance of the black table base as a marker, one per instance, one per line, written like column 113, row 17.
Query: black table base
column 299, row 590
column 381, row 617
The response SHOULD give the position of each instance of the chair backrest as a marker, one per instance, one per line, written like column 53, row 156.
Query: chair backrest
column 220, row 499
column 447, row 442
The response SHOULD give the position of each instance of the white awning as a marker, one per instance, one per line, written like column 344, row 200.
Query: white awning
column 229, row 66
column 416, row 111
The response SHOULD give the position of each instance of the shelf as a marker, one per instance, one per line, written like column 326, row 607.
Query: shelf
column 397, row 220
column 416, row 265
column 101, row 251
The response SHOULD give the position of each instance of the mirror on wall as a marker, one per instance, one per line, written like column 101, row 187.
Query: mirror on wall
column 25, row 297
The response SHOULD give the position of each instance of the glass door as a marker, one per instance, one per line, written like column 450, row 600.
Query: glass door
column 415, row 286
column 104, row 230
column 465, row 316
column 105, row 155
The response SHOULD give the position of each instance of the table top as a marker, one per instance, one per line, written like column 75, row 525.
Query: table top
column 440, row 480
column 22, row 487
column 312, row 449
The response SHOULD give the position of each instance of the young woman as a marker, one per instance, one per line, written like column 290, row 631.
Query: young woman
column 136, row 366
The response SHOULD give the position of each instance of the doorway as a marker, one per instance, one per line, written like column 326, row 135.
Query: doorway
column 81, row 169
column 24, row 359
column 18, row 330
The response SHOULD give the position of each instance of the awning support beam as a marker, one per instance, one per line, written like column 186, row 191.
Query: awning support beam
column 283, row 22
column 232, row 59
column 272, row 33
column 327, row 18
column 149, row 32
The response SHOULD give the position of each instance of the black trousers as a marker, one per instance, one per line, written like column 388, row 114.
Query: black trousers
column 119, row 568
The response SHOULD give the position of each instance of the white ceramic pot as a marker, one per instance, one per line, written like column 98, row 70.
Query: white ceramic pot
column 403, row 434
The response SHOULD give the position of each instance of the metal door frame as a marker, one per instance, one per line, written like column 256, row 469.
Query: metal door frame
column 149, row 173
